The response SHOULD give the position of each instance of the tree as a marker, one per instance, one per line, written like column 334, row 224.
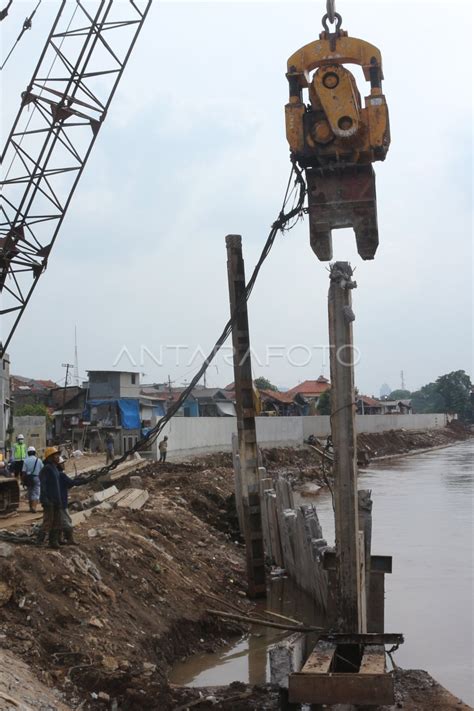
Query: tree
column 455, row 389
column 399, row 395
column 31, row 410
column 264, row 384
column 427, row 399
column 324, row 403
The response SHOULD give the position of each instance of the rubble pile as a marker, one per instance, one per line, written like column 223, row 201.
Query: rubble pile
column 103, row 621
column 395, row 442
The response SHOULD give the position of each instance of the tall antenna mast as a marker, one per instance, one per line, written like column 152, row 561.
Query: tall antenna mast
column 76, row 359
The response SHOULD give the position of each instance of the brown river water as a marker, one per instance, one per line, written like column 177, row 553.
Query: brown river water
column 423, row 517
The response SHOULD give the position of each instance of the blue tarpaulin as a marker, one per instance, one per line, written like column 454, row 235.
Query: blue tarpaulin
column 129, row 414
column 129, row 411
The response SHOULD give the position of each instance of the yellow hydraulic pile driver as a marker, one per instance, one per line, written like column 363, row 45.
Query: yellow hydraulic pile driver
column 333, row 138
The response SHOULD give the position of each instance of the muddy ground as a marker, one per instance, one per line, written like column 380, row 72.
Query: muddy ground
column 101, row 623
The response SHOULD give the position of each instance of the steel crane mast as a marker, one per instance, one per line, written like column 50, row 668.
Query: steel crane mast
column 58, row 121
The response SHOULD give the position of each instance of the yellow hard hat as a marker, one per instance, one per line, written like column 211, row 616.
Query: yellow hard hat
column 49, row 451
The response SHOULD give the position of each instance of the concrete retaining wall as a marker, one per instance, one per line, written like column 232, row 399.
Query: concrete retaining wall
column 192, row 436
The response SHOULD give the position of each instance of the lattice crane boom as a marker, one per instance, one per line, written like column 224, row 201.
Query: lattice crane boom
column 58, row 121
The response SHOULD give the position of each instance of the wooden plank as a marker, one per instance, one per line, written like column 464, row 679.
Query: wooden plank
column 118, row 497
column 265, row 484
column 287, row 523
column 376, row 612
column 237, row 482
column 104, row 494
column 270, row 500
column 362, row 583
column 357, row 689
column 130, row 498
column 364, row 497
column 373, row 660
column 284, row 493
column 246, row 429
column 366, row 638
column 378, row 563
column 345, row 447
column 320, row 659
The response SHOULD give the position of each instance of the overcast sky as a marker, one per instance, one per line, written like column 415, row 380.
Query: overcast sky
column 194, row 148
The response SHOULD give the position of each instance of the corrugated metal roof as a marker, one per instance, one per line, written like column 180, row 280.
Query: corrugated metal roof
column 370, row 401
column 284, row 398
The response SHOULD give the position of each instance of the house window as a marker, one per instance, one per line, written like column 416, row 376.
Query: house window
column 134, row 378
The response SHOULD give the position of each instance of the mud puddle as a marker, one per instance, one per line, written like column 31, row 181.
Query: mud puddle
column 246, row 659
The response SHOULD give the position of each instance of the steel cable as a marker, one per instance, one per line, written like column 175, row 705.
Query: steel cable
column 4, row 12
column 280, row 224
column 26, row 26
column 331, row 10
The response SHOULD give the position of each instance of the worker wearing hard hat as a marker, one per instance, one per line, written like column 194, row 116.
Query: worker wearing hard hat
column 65, row 483
column 18, row 455
column 32, row 467
column 50, row 496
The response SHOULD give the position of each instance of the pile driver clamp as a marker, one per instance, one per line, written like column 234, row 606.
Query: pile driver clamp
column 334, row 139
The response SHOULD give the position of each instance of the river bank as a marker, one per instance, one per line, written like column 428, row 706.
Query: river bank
column 103, row 623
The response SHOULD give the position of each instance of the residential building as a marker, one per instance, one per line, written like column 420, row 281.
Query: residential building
column 274, row 402
column 113, row 407
column 29, row 391
column 68, row 414
column 396, row 407
column 310, row 391
column 368, row 405
column 113, row 384
column 169, row 396
column 213, row 402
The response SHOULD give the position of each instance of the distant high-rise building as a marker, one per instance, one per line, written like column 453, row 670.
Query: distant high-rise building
column 385, row 390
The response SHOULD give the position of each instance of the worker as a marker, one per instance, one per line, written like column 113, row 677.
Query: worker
column 32, row 467
column 109, row 448
column 163, row 447
column 18, row 455
column 50, row 497
column 66, row 536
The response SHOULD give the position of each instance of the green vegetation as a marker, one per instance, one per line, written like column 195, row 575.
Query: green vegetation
column 324, row 403
column 450, row 393
column 264, row 384
column 31, row 411
column 455, row 389
column 399, row 395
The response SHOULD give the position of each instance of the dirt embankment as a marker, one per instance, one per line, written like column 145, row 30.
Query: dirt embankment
column 104, row 620
column 398, row 442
